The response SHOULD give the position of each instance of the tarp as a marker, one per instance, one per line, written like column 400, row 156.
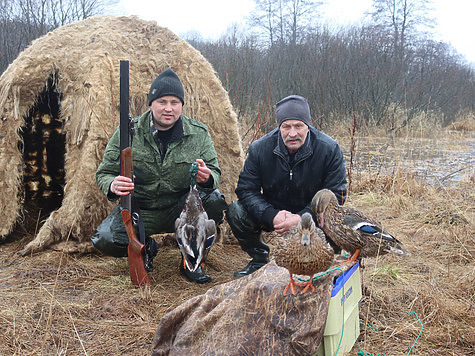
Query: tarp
column 248, row 316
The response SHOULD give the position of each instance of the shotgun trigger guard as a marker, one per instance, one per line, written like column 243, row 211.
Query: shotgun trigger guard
column 135, row 218
column 138, row 223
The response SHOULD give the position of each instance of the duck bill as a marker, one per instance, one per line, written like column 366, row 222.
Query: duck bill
column 320, row 220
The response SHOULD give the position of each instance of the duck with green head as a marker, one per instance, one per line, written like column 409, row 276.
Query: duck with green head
column 195, row 233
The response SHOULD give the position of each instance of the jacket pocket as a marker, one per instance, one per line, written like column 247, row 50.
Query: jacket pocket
column 178, row 173
column 145, row 168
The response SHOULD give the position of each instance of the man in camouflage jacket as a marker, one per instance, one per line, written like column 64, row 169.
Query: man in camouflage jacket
column 164, row 146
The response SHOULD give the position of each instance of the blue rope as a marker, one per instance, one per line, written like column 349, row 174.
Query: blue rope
column 370, row 325
column 420, row 333
column 365, row 353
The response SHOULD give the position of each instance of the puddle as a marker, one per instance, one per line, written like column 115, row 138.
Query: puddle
column 440, row 161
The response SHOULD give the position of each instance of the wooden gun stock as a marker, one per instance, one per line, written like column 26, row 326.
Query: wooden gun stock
column 135, row 249
column 135, row 252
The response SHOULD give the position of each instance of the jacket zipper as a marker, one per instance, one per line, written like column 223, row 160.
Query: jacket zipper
column 291, row 173
column 291, row 169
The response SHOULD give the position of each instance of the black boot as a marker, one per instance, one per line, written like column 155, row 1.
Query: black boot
column 251, row 267
column 248, row 233
column 197, row 276
column 151, row 250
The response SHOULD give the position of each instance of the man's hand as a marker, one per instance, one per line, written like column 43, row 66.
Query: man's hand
column 122, row 186
column 203, row 172
column 284, row 221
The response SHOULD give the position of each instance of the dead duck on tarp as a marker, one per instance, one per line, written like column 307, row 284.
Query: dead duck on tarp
column 195, row 233
column 352, row 230
column 303, row 250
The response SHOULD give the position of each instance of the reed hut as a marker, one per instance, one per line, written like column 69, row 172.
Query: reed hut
column 60, row 105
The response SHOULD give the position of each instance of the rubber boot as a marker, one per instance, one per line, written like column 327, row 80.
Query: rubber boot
column 151, row 250
column 248, row 234
column 197, row 276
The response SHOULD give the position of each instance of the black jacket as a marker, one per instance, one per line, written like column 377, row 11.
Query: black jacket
column 268, row 183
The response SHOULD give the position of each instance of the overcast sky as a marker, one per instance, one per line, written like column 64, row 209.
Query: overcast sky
column 211, row 18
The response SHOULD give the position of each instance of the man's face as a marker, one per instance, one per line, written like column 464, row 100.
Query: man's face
column 294, row 133
column 166, row 111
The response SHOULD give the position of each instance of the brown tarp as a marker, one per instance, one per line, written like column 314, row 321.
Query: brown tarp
column 248, row 316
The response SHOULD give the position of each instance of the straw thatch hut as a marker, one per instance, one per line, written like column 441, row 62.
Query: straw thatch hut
column 60, row 104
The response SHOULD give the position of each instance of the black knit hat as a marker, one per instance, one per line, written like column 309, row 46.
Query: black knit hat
column 167, row 83
column 293, row 107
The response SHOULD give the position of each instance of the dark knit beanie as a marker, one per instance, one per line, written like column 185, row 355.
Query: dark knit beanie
column 293, row 107
column 167, row 83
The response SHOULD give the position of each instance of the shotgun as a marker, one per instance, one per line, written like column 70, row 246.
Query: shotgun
column 130, row 212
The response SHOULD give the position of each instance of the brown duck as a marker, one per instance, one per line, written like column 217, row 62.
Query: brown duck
column 352, row 230
column 304, row 250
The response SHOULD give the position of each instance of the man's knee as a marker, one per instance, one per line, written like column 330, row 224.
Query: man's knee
column 240, row 221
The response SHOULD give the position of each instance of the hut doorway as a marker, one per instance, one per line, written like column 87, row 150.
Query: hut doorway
column 43, row 150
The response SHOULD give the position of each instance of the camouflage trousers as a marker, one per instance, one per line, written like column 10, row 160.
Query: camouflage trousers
column 111, row 237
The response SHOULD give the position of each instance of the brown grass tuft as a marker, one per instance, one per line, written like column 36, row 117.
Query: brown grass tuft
column 466, row 123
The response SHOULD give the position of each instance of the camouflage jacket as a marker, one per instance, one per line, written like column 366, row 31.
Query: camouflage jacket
column 159, row 184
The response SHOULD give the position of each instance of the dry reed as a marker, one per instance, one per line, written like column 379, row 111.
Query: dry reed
column 53, row 303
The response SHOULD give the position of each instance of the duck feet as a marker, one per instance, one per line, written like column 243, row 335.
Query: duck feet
column 307, row 286
column 292, row 284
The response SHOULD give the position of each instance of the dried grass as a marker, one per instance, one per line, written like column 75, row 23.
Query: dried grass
column 53, row 303
column 57, row 303
column 465, row 123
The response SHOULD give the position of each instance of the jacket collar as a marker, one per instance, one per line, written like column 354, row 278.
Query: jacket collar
column 176, row 131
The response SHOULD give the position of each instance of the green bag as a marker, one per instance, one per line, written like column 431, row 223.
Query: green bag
column 111, row 237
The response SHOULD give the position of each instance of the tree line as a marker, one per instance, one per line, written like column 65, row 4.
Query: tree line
column 387, row 71
column 22, row 21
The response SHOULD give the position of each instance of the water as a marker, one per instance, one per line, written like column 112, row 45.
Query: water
column 443, row 160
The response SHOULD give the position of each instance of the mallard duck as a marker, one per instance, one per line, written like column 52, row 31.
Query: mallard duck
column 304, row 250
column 352, row 230
column 195, row 233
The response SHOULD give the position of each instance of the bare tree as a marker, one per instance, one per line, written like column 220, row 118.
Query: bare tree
column 22, row 21
column 402, row 19
column 284, row 21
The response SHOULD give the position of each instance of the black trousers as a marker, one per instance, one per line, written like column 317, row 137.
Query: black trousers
column 248, row 232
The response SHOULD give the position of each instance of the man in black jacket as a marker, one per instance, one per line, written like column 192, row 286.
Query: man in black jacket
column 283, row 171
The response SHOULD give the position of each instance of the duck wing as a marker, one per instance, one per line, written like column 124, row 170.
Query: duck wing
column 372, row 235
column 206, row 236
